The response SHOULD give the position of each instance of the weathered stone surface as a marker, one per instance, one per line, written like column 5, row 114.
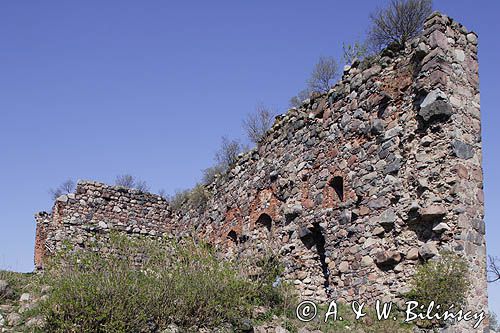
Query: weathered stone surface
column 387, row 258
column 412, row 254
column 462, row 149
column 388, row 217
column 432, row 212
column 435, row 105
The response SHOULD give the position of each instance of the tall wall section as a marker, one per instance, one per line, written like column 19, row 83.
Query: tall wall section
column 352, row 190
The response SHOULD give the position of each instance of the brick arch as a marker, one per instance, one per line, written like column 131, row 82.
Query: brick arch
column 265, row 202
column 336, row 191
column 264, row 221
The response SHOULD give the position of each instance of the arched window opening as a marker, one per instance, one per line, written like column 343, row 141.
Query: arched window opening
column 265, row 220
column 337, row 183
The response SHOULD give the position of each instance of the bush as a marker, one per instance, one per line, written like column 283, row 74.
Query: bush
column 258, row 123
column 146, row 285
column 67, row 187
column 444, row 281
column 398, row 23
column 323, row 75
column 130, row 181
column 198, row 198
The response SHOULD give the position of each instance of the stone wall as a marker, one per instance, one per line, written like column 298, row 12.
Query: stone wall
column 93, row 210
column 352, row 190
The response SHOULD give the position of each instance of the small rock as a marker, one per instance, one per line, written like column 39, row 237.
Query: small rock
column 434, row 105
column 428, row 250
column 62, row 198
column 378, row 231
column 172, row 328
column 37, row 321
column 102, row 225
column 377, row 126
column 412, row 254
column 13, row 319
column 388, row 217
column 25, row 297
column 366, row 261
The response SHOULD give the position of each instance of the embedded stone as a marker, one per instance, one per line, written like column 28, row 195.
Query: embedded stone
column 441, row 227
column 412, row 254
column 435, row 105
column 462, row 150
column 366, row 261
column 388, row 217
column 432, row 212
column 344, row 266
column 428, row 250
column 387, row 257
column 62, row 198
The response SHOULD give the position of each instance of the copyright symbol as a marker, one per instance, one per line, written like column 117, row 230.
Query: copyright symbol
column 306, row 311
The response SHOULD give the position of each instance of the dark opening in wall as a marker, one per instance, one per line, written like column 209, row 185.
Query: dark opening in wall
column 337, row 183
column 233, row 236
column 265, row 220
column 314, row 238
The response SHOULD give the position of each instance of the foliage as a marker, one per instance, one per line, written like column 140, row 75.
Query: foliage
column 146, row 285
column 323, row 75
column 493, row 269
column 258, row 123
column 211, row 173
column 357, row 50
column 228, row 152
column 444, row 280
column 179, row 198
column 66, row 187
column 198, row 198
column 398, row 23
column 16, row 282
column 130, row 181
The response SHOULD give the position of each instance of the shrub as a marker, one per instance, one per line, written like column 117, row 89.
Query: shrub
column 258, row 123
column 66, row 187
column 198, row 198
column 323, row 75
column 398, row 23
column 130, row 181
column 144, row 286
column 444, row 281
column 357, row 50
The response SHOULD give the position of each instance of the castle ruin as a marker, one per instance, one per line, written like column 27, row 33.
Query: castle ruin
column 352, row 190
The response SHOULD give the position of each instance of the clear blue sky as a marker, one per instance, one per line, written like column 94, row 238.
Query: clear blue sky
column 92, row 89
